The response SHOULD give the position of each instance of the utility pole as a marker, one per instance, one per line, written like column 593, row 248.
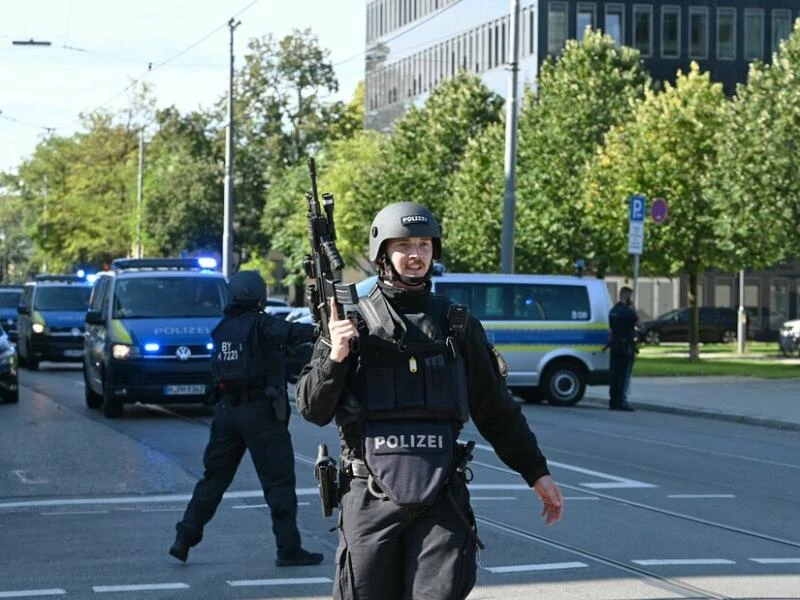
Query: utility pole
column 227, row 230
column 139, row 181
column 509, row 197
column 741, row 327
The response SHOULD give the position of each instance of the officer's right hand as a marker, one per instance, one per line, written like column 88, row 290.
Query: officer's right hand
column 341, row 330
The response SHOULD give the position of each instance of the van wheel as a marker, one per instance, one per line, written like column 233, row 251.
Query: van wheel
column 112, row 407
column 564, row 383
column 653, row 337
column 728, row 336
column 531, row 395
column 93, row 399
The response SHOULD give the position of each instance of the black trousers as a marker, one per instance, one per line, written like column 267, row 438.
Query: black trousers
column 248, row 426
column 621, row 368
column 389, row 553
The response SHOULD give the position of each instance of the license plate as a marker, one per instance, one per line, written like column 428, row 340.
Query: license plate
column 73, row 353
column 184, row 390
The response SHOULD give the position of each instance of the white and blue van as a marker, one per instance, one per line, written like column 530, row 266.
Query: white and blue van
column 551, row 329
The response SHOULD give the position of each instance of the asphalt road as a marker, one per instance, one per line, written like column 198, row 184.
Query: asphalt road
column 657, row 506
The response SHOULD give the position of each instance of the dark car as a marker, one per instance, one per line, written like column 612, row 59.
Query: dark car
column 9, row 300
column 9, row 383
column 716, row 325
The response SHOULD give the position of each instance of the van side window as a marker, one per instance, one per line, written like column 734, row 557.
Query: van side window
column 521, row 302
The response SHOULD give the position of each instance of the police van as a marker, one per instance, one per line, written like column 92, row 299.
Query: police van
column 550, row 329
column 9, row 301
column 148, row 332
column 50, row 325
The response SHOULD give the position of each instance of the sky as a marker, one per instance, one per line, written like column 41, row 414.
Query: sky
column 98, row 47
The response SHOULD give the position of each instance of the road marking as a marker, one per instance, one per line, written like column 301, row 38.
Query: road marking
column 700, row 496
column 33, row 593
column 477, row 498
column 776, row 561
column 540, row 567
column 241, row 506
column 261, row 582
column 24, row 479
column 74, row 512
column 684, row 561
column 142, row 587
column 614, row 481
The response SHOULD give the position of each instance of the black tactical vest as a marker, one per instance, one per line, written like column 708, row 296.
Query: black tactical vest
column 411, row 383
column 241, row 365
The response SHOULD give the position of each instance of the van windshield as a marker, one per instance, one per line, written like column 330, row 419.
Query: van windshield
column 155, row 297
column 73, row 298
column 9, row 299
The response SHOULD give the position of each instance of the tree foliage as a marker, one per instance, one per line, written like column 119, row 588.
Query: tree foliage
column 758, row 177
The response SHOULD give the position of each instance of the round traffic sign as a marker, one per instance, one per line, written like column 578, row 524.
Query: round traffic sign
column 658, row 211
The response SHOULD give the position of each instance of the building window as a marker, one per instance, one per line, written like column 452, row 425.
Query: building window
column 557, row 30
column 698, row 32
column 586, row 16
column 778, row 303
column 643, row 29
column 781, row 27
column 615, row 23
column 726, row 33
column 753, row 33
column 723, row 292
column 670, row 31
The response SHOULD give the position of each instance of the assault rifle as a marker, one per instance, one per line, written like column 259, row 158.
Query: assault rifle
column 324, row 259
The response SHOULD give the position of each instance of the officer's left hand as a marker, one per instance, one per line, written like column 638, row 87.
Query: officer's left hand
column 552, row 500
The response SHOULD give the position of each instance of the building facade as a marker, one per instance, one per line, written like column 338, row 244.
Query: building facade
column 413, row 45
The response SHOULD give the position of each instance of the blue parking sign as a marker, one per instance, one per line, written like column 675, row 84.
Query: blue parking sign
column 637, row 208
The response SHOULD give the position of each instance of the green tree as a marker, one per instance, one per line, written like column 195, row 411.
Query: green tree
column 665, row 151
column 427, row 145
column 758, row 176
column 281, row 116
column 589, row 89
column 183, row 186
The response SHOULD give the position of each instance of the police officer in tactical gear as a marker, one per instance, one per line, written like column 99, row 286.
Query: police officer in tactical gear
column 622, row 321
column 252, row 413
column 423, row 368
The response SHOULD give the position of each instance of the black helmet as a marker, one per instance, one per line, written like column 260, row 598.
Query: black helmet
column 247, row 287
column 403, row 220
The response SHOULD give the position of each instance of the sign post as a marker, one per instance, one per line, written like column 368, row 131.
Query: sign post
column 637, row 209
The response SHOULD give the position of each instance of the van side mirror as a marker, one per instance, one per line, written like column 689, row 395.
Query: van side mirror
column 23, row 309
column 94, row 317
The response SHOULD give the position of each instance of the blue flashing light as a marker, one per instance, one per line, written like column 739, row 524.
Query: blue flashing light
column 91, row 277
column 209, row 346
column 207, row 262
column 151, row 347
column 80, row 273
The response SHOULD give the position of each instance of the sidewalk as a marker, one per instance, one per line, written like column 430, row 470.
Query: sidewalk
column 767, row 402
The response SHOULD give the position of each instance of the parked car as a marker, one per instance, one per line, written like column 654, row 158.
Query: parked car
column 9, row 300
column 9, row 382
column 789, row 340
column 277, row 307
column 716, row 325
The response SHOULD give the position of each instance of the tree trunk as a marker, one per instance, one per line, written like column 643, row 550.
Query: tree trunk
column 694, row 316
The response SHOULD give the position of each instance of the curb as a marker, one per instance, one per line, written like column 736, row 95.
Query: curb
column 703, row 413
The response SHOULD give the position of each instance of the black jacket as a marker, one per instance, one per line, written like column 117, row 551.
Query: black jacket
column 322, row 395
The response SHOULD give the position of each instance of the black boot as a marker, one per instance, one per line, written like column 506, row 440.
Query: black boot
column 298, row 558
column 180, row 550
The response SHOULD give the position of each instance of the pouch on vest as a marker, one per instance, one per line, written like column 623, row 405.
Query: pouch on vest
column 410, row 460
column 232, row 356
